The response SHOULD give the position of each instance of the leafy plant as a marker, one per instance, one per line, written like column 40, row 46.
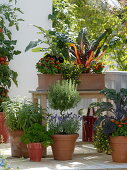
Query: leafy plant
column 101, row 141
column 55, row 43
column 117, row 109
column 21, row 114
column 29, row 114
column 63, row 96
column 37, row 134
column 85, row 52
column 71, row 16
column 8, row 18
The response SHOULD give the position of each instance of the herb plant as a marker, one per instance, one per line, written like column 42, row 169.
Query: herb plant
column 21, row 113
column 37, row 134
column 63, row 96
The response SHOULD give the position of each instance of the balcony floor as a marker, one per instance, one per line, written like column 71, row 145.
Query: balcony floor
column 85, row 157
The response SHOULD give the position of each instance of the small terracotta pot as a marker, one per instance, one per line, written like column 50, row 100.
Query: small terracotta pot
column 119, row 148
column 63, row 146
column 4, row 135
column 35, row 151
column 18, row 149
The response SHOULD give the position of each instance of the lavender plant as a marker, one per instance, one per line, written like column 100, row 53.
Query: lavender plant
column 66, row 124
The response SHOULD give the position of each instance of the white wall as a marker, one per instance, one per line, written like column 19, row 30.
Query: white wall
column 35, row 13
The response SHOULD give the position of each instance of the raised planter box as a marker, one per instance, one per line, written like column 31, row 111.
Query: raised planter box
column 87, row 81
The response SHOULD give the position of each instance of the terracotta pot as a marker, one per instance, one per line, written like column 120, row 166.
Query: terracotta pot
column 119, row 148
column 44, row 80
column 35, row 151
column 4, row 135
column 18, row 149
column 91, row 81
column 63, row 146
column 87, row 81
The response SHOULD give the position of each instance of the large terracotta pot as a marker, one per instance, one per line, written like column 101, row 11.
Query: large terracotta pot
column 63, row 146
column 87, row 81
column 18, row 149
column 119, row 148
column 35, row 151
column 4, row 135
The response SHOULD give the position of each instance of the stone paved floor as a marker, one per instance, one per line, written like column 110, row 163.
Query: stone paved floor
column 85, row 157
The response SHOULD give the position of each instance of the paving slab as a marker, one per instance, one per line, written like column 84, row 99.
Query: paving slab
column 85, row 158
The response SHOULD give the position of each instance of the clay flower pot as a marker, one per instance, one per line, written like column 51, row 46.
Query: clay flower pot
column 119, row 148
column 4, row 135
column 18, row 149
column 35, row 151
column 63, row 146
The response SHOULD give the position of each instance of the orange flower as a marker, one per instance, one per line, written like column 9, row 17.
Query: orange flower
column 113, row 120
column 119, row 125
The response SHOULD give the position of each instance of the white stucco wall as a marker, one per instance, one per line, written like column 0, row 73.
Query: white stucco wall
column 35, row 13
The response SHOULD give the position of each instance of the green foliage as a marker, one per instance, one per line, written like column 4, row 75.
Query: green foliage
column 117, row 107
column 55, row 43
column 63, row 95
column 29, row 114
column 8, row 18
column 21, row 114
column 101, row 141
column 6, row 76
column 67, row 124
column 70, row 16
column 71, row 72
column 37, row 134
column 121, row 128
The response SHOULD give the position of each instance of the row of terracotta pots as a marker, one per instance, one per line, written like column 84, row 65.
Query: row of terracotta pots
column 62, row 147
column 63, row 144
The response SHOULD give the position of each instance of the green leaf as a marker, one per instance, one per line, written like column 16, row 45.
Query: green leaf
column 17, row 52
column 39, row 49
column 33, row 44
column 11, row 23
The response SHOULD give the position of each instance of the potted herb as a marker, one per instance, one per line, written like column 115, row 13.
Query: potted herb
column 20, row 114
column 64, row 126
column 114, row 121
column 36, row 137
